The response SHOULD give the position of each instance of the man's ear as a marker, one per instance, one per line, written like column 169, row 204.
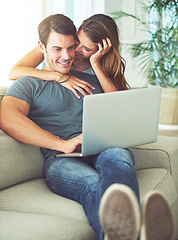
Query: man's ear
column 41, row 46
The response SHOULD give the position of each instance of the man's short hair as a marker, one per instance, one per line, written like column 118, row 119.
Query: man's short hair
column 58, row 23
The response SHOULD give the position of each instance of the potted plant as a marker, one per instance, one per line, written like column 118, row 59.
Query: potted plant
column 158, row 55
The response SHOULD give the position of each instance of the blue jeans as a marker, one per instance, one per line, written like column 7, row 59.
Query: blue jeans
column 85, row 179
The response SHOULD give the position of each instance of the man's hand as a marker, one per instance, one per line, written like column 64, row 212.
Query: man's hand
column 72, row 145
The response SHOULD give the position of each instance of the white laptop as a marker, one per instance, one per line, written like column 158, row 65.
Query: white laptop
column 119, row 119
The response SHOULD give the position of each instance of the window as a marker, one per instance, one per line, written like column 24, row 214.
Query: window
column 19, row 22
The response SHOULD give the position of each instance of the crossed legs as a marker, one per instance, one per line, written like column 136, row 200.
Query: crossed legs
column 86, row 180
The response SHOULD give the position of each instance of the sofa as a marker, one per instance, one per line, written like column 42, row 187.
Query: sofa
column 30, row 211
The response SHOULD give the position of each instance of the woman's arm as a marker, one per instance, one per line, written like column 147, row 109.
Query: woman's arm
column 106, row 83
column 27, row 67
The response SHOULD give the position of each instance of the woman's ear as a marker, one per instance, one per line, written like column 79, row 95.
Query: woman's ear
column 41, row 46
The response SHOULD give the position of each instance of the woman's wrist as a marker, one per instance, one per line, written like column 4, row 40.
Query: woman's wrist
column 95, row 64
column 63, row 78
column 59, row 78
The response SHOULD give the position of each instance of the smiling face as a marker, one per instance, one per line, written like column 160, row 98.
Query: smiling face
column 85, row 47
column 59, row 52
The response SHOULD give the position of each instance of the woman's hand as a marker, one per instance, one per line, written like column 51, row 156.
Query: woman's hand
column 106, row 83
column 101, row 51
column 77, row 85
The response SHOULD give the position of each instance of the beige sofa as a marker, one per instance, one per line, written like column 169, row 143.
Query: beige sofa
column 30, row 211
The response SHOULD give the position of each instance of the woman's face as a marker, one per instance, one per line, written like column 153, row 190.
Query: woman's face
column 85, row 47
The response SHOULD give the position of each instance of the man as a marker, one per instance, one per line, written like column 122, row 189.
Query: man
column 47, row 115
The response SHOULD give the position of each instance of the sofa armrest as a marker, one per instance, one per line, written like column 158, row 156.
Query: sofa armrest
column 161, row 154
column 18, row 161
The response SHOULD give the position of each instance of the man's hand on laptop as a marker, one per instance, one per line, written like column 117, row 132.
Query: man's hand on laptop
column 72, row 145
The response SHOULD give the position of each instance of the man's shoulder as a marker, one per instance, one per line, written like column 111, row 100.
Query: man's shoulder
column 28, row 79
column 27, row 82
column 23, row 85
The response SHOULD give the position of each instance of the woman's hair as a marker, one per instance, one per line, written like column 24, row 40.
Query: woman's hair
column 58, row 23
column 98, row 27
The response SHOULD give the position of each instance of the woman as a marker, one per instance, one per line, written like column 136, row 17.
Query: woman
column 97, row 52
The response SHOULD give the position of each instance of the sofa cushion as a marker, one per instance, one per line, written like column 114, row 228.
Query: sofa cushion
column 19, row 162
column 150, row 158
column 34, row 196
column 156, row 179
column 23, row 226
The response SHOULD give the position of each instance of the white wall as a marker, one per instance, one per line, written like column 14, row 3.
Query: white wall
column 18, row 24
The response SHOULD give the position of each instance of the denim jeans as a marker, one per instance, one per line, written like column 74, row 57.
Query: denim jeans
column 85, row 179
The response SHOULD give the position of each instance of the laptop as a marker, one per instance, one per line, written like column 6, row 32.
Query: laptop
column 119, row 119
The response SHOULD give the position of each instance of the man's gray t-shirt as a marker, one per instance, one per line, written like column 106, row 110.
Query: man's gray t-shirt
column 52, row 106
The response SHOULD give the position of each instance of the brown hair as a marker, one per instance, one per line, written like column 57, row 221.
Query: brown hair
column 98, row 27
column 58, row 23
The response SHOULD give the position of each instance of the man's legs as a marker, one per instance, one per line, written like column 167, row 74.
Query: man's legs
column 86, row 179
column 75, row 179
column 116, row 165
column 119, row 209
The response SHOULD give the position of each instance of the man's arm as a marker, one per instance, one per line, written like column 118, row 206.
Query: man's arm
column 14, row 120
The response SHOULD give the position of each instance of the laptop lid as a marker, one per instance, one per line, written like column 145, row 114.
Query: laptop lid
column 119, row 119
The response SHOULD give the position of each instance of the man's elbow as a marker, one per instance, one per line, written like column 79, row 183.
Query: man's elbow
column 5, row 124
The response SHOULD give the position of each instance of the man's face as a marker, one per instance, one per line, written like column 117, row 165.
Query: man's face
column 59, row 52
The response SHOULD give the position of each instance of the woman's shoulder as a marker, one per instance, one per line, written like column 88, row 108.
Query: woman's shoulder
column 89, row 71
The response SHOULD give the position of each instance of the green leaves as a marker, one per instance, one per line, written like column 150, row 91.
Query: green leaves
column 158, row 55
